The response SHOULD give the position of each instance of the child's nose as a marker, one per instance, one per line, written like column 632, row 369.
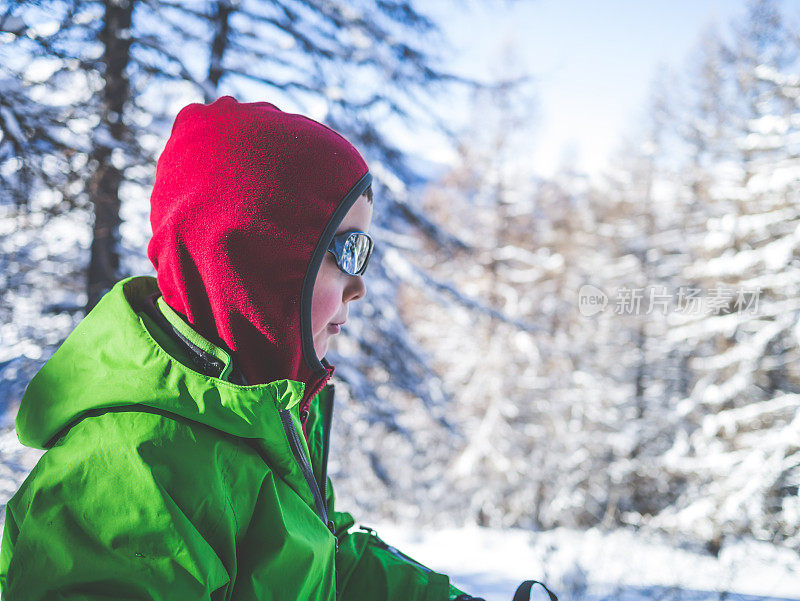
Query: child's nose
column 355, row 289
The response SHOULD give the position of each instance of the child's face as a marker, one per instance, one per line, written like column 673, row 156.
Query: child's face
column 334, row 288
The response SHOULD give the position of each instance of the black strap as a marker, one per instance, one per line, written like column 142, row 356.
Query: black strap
column 524, row 591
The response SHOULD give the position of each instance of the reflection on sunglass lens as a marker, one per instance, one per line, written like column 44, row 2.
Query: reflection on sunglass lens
column 349, row 258
column 360, row 252
column 355, row 253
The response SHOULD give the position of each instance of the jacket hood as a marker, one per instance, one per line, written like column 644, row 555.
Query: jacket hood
column 111, row 361
column 246, row 201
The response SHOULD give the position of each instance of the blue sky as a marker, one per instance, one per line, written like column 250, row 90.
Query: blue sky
column 593, row 61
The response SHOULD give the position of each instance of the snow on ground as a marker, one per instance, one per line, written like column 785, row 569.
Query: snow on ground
column 595, row 565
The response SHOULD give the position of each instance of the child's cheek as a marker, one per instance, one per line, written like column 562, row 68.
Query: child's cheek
column 325, row 310
column 326, row 299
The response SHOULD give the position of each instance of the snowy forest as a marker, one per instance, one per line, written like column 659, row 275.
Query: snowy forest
column 617, row 354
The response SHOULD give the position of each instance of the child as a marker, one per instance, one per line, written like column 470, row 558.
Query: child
column 187, row 418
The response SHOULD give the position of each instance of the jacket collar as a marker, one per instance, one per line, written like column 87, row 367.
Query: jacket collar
column 208, row 358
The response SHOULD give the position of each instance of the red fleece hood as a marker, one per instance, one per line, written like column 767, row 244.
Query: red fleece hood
column 246, row 201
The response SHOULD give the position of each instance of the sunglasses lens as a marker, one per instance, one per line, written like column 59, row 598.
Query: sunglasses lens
column 356, row 251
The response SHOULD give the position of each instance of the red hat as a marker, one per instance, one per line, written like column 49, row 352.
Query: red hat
column 246, row 201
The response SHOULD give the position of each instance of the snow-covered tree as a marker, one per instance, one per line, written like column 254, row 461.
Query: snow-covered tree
column 737, row 439
column 727, row 403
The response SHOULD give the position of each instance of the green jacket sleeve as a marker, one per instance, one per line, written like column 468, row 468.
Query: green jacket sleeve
column 369, row 568
column 117, row 521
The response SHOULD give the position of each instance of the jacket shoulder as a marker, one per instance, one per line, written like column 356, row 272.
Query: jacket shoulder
column 138, row 459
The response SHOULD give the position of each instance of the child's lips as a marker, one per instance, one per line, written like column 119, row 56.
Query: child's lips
column 335, row 328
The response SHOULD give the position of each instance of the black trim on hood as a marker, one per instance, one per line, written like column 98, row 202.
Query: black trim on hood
column 307, row 336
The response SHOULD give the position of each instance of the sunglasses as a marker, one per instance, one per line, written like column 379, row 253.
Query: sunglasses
column 352, row 251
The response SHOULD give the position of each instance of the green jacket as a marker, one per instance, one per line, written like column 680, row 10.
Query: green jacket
column 160, row 482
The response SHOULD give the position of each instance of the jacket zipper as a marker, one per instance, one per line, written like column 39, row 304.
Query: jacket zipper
column 305, row 466
column 394, row 551
column 326, row 437
column 399, row 554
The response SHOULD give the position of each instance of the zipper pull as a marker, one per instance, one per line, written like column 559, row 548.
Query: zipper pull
column 303, row 416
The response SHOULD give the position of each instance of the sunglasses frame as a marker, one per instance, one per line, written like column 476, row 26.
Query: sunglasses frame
column 336, row 248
